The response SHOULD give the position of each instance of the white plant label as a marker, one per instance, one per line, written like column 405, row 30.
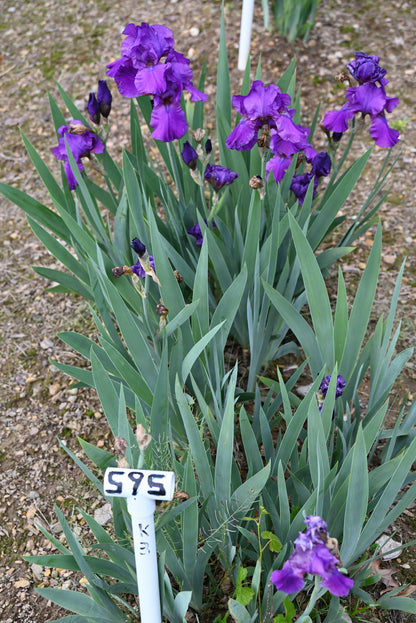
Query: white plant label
column 124, row 483
column 142, row 488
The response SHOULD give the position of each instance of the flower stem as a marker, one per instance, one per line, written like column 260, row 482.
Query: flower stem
column 316, row 594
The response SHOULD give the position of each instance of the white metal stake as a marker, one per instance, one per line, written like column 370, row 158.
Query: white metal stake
column 142, row 488
column 245, row 33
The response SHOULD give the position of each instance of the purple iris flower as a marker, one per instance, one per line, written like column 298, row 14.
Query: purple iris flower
column 150, row 66
column 218, row 176
column 341, row 383
column 189, row 155
column 260, row 107
column 365, row 68
column 311, row 555
column 195, row 231
column 368, row 99
column 140, row 70
column 286, row 140
column 82, row 142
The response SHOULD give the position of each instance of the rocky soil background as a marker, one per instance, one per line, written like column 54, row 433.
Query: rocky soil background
column 42, row 42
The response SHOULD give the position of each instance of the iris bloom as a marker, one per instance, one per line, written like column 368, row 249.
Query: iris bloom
column 311, row 555
column 260, row 107
column 218, row 176
column 367, row 98
column 81, row 141
column 151, row 66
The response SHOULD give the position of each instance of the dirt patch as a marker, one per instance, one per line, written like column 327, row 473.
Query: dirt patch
column 71, row 43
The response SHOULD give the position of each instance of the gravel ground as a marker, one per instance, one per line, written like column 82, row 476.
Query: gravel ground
column 44, row 42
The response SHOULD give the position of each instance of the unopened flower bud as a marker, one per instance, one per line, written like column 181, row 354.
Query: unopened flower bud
column 120, row 446
column 104, row 98
column 138, row 246
column 93, row 108
column 143, row 438
column 208, row 146
column 189, row 155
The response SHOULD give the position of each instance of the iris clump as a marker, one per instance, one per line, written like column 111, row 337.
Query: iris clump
column 311, row 555
column 82, row 142
column 368, row 98
column 151, row 66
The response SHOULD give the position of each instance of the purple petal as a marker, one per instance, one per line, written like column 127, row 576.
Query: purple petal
column 278, row 165
column 70, row 176
column 196, row 95
column 383, row 135
column 337, row 583
column 244, row 135
column 151, row 80
column 124, row 74
column 286, row 580
column 337, row 120
column 168, row 122
column 368, row 98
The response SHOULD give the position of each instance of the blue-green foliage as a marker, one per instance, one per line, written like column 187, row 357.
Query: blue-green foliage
column 294, row 18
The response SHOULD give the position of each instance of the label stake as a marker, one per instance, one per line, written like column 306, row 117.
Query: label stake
column 142, row 488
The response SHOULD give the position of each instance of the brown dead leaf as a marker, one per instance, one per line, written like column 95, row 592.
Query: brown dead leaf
column 386, row 575
column 408, row 591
